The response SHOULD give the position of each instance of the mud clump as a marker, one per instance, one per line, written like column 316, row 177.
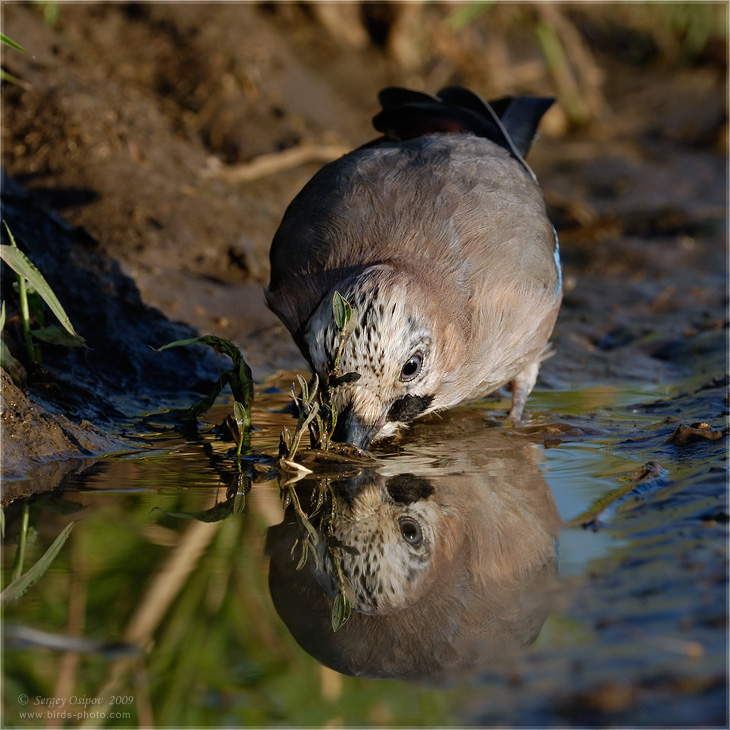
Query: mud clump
column 40, row 448
column 685, row 435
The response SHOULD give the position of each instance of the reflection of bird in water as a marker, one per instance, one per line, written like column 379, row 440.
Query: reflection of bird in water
column 437, row 236
column 448, row 571
column 386, row 534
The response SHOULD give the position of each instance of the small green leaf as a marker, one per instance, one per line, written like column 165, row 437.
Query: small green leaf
column 181, row 343
column 240, row 378
column 56, row 335
column 341, row 609
column 304, row 387
column 240, row 414
column 20, row 585
column 341, row 310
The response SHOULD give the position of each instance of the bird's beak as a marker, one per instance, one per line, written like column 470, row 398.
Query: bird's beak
column 352, row 429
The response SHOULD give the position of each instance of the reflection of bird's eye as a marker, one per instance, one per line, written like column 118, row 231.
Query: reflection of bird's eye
column 412, row 367
column 411, row 531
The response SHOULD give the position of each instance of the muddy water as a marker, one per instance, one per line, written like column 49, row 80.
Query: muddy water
column 554, row 579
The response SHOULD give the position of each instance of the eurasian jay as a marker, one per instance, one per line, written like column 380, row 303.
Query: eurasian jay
column 436, row 234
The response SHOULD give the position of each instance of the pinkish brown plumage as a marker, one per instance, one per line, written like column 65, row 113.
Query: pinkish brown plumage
column 440, row 242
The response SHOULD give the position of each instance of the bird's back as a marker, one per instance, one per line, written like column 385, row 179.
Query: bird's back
column 456, row 206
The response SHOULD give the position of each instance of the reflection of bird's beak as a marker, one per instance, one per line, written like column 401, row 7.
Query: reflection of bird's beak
column 353, row 429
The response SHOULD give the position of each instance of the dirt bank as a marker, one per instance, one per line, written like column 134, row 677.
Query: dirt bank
column 128, row 150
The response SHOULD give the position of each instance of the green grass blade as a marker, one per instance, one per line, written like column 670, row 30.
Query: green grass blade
column 23, row 266
column 10, row 42
column 20, row 585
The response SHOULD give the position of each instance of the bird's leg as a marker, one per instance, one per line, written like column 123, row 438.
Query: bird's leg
column 522, row 386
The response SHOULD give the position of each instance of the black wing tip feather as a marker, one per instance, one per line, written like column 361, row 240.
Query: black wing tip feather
column 510, row 122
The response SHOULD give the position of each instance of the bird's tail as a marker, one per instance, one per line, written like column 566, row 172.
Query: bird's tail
column 510, row 122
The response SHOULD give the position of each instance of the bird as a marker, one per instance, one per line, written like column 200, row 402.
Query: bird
column 436, row 234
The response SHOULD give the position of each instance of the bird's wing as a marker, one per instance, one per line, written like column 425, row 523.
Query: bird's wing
column 398, row 198
column 510, row 122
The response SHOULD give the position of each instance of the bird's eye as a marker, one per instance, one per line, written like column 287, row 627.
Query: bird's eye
column 412, row 367
column 411, row 531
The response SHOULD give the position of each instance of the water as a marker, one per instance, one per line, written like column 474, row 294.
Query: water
column 560, row 624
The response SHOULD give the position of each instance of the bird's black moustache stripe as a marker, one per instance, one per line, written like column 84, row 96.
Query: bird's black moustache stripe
column 409, row 488
column 405, row 409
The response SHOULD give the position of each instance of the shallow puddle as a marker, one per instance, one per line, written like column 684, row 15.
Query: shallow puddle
column 471, row 594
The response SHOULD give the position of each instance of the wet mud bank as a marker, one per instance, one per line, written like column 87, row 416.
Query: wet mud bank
column 126, row 183
column 78, row 402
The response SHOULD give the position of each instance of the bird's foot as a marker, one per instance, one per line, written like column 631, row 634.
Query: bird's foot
column 522, row 386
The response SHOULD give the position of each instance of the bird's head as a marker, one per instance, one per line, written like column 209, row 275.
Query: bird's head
column 389, row 537
column 397, row 347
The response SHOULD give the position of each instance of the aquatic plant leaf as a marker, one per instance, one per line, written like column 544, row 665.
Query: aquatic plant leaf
column 20, row 585
column 341, row 609
column 240, row 378
column 23, row 266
